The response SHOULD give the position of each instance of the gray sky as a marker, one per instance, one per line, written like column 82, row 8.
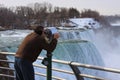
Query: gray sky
column 105, row 7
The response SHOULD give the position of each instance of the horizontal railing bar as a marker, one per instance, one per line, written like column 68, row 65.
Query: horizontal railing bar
column 59, row 70
column 85, row 65
column 54, row 77
column 6, row 61
column 92, row 77
column 55, row 69
column 6, row 68
column 69, row 72
column 40, row 66
column 7, row 53
column 78, row 65
column 95, row 67
column 4, row 75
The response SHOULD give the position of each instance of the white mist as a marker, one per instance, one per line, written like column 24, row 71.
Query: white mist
column 109, row 48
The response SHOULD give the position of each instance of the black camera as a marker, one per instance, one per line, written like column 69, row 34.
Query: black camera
column 49, row 32
column 45, row 61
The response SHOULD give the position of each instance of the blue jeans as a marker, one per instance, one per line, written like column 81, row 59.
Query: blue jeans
column 24, row 69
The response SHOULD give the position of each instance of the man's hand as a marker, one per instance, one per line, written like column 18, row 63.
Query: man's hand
column 56, row 35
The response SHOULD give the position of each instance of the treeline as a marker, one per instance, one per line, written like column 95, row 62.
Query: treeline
column 45, row 14
column 113, row 18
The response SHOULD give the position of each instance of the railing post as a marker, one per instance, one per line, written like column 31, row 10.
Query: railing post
column 49, row 66
column 76, row 72
column 47, row 61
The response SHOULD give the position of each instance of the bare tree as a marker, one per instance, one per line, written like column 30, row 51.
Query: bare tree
column 63, row 14
column 7, row 17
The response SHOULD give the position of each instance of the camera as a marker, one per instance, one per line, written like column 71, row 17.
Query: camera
column 45, row 61
column 49, row 32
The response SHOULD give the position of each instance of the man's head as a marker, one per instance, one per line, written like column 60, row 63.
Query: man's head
column 39, row 29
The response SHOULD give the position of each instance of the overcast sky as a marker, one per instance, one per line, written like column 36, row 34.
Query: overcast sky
column 104, row 7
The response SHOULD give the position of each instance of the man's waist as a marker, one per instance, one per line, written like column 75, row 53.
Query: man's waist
column 25, row 58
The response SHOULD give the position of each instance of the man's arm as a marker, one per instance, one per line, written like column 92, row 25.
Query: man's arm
column 52, row 45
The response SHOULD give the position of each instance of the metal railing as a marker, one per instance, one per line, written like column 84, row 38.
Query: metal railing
column 70, row 63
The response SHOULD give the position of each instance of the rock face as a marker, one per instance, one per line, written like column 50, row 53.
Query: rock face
column 4, row 71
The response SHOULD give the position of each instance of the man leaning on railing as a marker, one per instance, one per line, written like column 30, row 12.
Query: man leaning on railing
column 29, row 50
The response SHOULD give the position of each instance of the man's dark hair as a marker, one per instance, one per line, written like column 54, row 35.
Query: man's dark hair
column 39, row 29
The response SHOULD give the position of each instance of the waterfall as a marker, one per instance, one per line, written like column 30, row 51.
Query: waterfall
column 73, row 45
